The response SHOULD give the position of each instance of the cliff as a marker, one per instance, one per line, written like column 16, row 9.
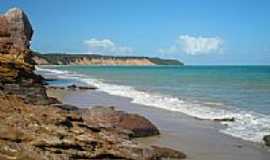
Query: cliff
column 86, row 59
column 16, row 66
column 15, row 34
column 34, row 126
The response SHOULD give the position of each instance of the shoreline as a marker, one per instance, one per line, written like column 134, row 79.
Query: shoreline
column 199, row 139
column 80, row 122
column 241, row 123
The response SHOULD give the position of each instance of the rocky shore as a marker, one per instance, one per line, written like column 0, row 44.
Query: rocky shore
column 35, row 126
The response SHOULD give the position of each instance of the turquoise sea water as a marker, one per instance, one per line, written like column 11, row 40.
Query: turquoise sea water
column 206, row 92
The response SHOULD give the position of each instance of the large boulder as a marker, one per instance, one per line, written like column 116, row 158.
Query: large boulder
column 109, row 117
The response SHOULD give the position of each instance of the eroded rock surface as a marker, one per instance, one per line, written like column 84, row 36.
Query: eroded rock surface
column 15, row 35
column 47, row 132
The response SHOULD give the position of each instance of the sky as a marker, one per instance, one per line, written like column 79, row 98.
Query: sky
column 197, row 32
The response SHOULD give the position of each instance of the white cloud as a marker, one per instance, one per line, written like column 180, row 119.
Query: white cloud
column 107, row 47
column 195, row 45
column 200, row 45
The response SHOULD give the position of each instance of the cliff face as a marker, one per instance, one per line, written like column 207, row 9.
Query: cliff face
column 15, row 34
column 94, row 61
column 84, row 59
column 112, row 61
column 16, row 67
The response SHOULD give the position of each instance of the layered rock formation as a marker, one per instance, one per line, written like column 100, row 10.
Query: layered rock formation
column 15, row 33
column 16, row 65
column 36, row 127
column 15, row 37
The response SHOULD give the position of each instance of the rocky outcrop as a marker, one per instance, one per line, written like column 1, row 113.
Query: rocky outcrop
column 108, row 116
column 46, row 132
column 15, row 36
column 266, row 140
column 16, row 67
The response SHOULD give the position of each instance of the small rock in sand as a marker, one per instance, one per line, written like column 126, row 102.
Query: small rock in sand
column 87, row 87
column 73, row 86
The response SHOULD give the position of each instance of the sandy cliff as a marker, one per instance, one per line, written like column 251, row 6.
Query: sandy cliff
column 88, row 59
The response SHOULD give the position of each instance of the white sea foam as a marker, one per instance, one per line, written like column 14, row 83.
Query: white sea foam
column 248, row 125
column 39, row 69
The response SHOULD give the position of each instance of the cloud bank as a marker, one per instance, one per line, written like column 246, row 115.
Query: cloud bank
column 107, row 47
column 195, row 45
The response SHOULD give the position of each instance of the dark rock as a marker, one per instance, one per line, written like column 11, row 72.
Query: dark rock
column 108, row 116
column 168, row 153
column 225, row 120
column 87, row 87
column 141, row 126
column 51, row 79
column 73, row 87
column 92, row 128
column 266, row 140
column 56, row 87
column 53, row 100
column 67, row 123
column 75, row 118
column 63, row 145
column 66, row 107
column 31, row 93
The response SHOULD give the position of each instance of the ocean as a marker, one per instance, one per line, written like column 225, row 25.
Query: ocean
column 204, row 92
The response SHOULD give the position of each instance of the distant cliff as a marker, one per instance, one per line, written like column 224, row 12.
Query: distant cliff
column 92, row 59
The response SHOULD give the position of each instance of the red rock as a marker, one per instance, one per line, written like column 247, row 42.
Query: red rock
column 108, row 116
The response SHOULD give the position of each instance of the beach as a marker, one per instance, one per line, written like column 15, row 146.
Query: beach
column 199, row 139
column 87, row 91
column 235, row 96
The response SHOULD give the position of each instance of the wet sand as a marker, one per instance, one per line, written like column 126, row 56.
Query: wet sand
column 199, row 139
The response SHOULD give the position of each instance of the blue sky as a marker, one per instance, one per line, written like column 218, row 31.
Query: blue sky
column 194, row 31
